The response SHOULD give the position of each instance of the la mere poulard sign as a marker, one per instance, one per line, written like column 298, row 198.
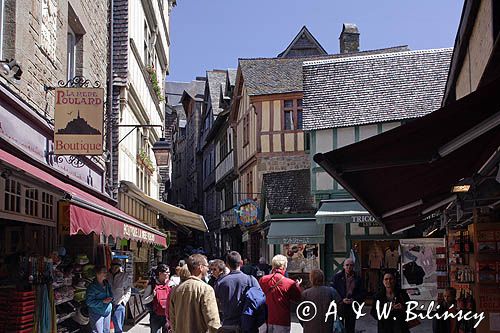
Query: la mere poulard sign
column 78, row 121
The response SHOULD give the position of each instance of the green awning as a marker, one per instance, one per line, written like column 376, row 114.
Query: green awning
column 296, row 231
column 342, row 211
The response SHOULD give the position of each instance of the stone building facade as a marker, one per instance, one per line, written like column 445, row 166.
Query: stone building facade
column 53, row 41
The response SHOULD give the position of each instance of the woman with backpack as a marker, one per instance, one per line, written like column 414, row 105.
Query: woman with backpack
column 156, row 295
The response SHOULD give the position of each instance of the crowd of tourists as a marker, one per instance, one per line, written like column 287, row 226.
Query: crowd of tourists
column 233, row 296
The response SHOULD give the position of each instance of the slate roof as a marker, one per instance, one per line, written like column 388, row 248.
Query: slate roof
column 303, row 45
column 373, row 88
column 288, row 192
column 265, row 76
column 120, row 42
column 196, row 90
column 174, row 91
column 232, row 76
column 216, row 82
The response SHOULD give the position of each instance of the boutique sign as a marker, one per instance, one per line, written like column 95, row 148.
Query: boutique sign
column 79, row 121
column 137, row 233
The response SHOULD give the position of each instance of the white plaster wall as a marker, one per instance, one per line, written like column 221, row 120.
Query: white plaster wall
column 389, row 126
column 367, row 131
column 345, row 136
column 128, row 148
column 323, row 181
column 324, row 141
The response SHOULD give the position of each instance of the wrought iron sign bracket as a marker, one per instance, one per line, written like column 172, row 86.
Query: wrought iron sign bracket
column 77, row 161
column 76, row 82
column 134, row 127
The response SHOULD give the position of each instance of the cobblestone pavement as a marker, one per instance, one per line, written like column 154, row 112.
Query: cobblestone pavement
column 364, row 325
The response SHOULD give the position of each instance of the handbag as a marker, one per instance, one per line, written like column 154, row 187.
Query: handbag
column 338, row 327
column 413, row 323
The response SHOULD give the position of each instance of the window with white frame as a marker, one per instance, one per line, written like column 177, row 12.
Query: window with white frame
column 47, row 206
column 31, row 202
column 12, row 201
column 28, row 200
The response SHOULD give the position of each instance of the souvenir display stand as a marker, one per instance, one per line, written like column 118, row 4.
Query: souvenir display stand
column 474, row 260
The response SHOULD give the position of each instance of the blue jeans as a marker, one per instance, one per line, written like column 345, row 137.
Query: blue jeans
column 118, row 317
column 98, row 323
column 157, row 323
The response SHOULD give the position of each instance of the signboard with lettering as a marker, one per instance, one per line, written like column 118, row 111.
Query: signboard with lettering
column 247, row 212
column 227, row 220
column 489, row 300
column 78, row 121
column 132, row 232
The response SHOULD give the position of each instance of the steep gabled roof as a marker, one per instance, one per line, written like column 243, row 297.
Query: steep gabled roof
column 265, row 76
column 303, row 45
column 231, row 74
column 174, row 91
column 216, row 81
column 196, row 91
column 369, row 89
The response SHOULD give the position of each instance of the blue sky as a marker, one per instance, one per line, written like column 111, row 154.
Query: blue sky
column 213, row 34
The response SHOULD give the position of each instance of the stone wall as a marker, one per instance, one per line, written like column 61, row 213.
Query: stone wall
column 36, row 36
column 283, row 163
column 268, row 164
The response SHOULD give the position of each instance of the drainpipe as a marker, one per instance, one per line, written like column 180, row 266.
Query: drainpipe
column 109, row 170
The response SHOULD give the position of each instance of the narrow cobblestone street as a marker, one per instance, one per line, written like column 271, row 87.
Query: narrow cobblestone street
column 365, row 325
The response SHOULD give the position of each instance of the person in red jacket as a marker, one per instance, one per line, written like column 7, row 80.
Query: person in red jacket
column 280, row 291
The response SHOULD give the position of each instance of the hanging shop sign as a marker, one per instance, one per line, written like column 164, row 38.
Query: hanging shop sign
column 227, row 220
column 247, row 212
column 78, row 121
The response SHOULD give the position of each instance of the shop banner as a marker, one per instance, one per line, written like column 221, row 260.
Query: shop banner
column 419, row 269
column 78, row 121
column 87, row 221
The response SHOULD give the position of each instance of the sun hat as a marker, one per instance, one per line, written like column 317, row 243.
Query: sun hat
column 79, row 295
column 81, row 285
column 82, row 259
column 82, row 316
column 88, row 271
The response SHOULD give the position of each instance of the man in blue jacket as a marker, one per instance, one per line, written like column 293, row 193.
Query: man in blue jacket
column 230, row 292
column 350, row 287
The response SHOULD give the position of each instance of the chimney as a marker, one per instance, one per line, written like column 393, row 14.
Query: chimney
column 349, row 38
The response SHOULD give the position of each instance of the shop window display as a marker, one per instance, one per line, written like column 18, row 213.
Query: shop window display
column 302, row 259
column 372, row 258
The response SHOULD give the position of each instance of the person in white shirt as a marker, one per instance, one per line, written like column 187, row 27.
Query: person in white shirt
column 121, row 289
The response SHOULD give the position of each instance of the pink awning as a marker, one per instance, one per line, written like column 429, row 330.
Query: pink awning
column 88, row 221
column 88, row 213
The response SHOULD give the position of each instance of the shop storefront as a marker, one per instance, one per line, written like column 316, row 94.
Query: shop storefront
column 447, row 161
column 231, row 236
column 54, row 235
column 160, row 215
column 299, row 239
column 351, row 231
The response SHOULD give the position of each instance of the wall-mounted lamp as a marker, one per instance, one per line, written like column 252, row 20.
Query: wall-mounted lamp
column 463, row 185
column 162, row 149
column 10, row 68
